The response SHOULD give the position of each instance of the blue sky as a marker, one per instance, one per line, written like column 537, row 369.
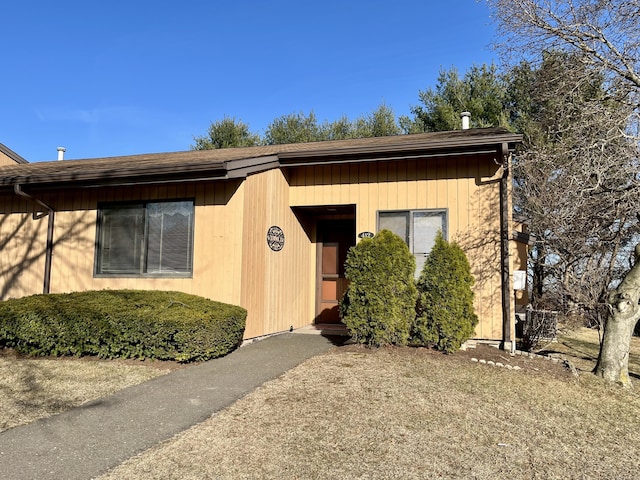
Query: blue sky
column 125, row 77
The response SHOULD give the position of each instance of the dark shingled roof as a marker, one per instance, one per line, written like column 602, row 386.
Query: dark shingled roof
column 238, row 162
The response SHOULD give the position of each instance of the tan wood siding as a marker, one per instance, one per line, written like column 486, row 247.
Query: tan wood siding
column 6, row 160
column 22, row 248
column 275, row 288
column 217, row 248
column 468, row 187
column 275, row 285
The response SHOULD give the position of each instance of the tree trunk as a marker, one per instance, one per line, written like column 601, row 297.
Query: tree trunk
column 613, row 361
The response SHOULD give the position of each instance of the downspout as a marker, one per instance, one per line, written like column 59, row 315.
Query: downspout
column 49, row 246
column 508, row 343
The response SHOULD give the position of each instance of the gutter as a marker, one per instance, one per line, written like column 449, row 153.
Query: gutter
column 508, row 343
column 50, row 227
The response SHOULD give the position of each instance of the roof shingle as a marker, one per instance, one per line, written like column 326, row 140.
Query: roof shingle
column 212, row 164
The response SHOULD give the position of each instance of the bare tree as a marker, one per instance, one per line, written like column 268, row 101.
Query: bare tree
column 579, row 176
column 605, row 31
column 580, row 193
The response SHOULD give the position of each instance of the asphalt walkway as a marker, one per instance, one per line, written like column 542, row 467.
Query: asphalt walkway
column 85, row 442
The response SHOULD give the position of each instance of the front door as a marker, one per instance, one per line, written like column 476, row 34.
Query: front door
column 335, row 237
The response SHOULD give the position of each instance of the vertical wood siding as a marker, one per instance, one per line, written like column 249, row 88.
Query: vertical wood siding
column 6, row 160
column 22, row 248
column 275, row 285
column 217, row 246
column 467, row 187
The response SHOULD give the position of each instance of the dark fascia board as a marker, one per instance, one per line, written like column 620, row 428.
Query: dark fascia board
column 242, row 168
column 476, row 144
column 68, row 175
column 12, row 155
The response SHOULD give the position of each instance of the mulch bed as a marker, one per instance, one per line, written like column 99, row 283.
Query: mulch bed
column 482, row 355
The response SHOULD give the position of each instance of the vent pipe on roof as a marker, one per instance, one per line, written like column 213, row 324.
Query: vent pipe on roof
column 61, row 151
column 465, row 116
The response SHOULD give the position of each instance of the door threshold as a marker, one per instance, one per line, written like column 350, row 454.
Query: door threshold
column 324, row 329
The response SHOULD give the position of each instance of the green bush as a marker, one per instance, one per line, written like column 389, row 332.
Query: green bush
column 379, row 305
column 122, row 324
column 445, row 314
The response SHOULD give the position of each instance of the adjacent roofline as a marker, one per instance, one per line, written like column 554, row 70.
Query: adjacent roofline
column 236, row 163
column 12, row 155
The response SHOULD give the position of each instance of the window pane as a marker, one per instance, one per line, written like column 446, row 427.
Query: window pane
column 169, row 237
column 121, row 240
column 397, row 222
column 425, row 228
column 155, row 238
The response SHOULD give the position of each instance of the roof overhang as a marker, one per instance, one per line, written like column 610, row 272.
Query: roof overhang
column 423, row 147
column 88, row 173
column 237, row 163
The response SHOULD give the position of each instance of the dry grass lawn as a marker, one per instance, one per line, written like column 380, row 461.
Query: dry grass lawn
column 36, row 388
column 387, row 413
column 411, row 413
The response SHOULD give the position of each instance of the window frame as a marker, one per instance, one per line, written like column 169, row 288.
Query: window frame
column 144, row 247
column 443, row 213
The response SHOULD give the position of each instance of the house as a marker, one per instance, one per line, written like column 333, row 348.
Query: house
column 264, row 227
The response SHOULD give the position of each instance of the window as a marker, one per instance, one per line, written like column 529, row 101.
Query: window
column 418, row 228
column 154, row 239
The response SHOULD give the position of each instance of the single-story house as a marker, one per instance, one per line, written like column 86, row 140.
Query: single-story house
column 264, row 227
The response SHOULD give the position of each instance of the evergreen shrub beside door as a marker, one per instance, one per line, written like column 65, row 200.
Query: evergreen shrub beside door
column 379, row 305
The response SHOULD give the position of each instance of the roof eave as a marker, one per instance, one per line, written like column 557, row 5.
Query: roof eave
column 117, row 177
column 419, row 149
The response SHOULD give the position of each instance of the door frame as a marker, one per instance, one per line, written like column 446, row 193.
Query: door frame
column 319, row 249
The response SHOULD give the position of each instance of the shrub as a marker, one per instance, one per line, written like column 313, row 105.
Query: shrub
column 122, row 324
column 445, row 314
column 379, row 304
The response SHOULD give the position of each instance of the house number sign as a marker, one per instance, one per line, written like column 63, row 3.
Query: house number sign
column 275, row 238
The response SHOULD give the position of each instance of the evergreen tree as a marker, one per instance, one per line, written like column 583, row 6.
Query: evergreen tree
column 445, row 313
column 379, row 305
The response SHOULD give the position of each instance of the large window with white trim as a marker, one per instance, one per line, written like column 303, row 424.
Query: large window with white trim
column 145, row 239
column 418, row 228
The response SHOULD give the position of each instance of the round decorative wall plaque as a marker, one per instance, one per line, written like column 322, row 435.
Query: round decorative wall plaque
column 275, row 238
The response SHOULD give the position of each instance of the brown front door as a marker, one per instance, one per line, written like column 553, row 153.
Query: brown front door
column 335, row 239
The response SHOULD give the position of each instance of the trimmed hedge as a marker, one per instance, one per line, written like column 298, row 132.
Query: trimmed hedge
column 122, row 324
